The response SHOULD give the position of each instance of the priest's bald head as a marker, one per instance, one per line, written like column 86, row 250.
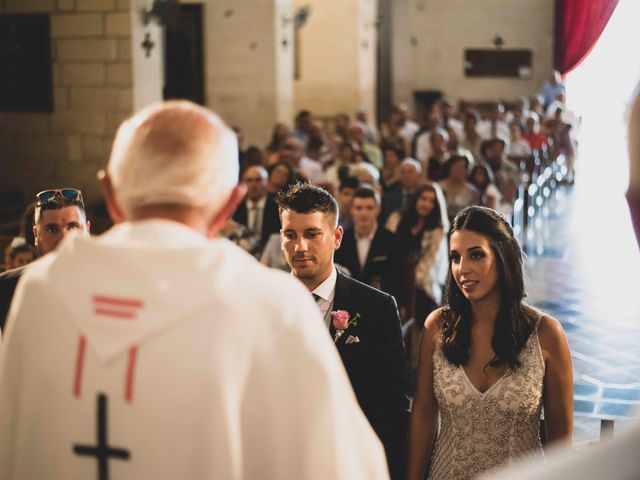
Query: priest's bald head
column 174, row 160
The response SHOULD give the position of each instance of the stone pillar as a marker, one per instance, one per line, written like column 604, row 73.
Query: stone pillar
column 249, row 64
column 384, row 95
column 147, row 63
column 403, row 44
column 338, row 57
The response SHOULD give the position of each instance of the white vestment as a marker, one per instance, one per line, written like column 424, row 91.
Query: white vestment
column 185, row 357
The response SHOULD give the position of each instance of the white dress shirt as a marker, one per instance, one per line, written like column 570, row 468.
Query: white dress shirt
column 363, row 244
column 326, row 292
column 255, row 214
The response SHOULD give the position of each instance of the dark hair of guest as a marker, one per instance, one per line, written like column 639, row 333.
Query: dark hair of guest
column 349, row 182
column 446, row 168
column 366, row 191
column 513, row 323
column 410, row 216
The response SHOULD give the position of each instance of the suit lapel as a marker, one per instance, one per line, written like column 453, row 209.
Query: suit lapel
column 352, row 253
column 240, row 214
column 340, row 302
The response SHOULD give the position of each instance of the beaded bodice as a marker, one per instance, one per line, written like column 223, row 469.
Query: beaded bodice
column 482, row 431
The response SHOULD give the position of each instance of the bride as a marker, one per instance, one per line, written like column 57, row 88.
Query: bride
column 488, row 362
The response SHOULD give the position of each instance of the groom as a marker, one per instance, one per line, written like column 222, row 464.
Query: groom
column 369, row 339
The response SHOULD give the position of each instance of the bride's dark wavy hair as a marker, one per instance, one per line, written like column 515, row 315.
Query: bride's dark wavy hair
column 512, row 325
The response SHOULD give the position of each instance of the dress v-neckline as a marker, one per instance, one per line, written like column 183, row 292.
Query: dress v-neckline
column 475, row 389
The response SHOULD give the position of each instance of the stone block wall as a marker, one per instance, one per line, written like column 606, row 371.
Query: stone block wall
column 249, row 64
column 429, row 39
column 91, row 61
column 337, row 57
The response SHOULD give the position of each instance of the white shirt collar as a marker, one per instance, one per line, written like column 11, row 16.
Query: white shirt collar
column 368, row 237
column 327, row 289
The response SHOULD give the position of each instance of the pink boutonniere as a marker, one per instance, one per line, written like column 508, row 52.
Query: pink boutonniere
column 342, row 320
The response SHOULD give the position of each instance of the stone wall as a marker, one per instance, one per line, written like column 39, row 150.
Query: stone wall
column 92, row 81
column 101, row 73
column 337, row 57
column 249, row 64
column 429, row 39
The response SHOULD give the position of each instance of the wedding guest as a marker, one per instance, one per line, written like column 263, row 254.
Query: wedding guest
column 368, row 250
column 58, row 213
column 278, row 136
column 481, row 177
column 390, row 174
column 421, row 232
column 18, row 254
column 458, row 192
column 281, row 175
column 258, row 212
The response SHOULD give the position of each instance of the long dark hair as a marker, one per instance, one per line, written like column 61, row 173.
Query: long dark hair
column 276, row 142
column 514, row 323
column 435, row 219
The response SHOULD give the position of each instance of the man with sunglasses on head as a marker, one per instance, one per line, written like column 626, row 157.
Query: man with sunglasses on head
column 58, row 213
column 158, row 351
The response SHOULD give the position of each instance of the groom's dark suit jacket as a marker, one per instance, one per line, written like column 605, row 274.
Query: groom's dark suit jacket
column 377, row 364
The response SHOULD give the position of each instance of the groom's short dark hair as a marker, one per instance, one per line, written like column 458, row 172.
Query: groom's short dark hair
column 307, row 198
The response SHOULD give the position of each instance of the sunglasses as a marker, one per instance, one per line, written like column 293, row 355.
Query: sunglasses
column 59, row 195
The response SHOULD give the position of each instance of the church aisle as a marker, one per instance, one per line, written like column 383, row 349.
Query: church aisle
column 586, row 276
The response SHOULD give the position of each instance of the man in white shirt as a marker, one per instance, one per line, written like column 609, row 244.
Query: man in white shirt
column 368, row 250
column 407, row 127
column 153, row 351
column 293, row 153
column 494, row 126
column 371, row 131
column 448, row 118
column 371, row 150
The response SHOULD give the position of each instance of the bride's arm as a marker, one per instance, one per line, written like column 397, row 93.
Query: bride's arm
column 558, row 382
column 424, row 412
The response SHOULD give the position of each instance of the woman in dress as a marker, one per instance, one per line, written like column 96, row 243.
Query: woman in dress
column 488, row 362
column 481, row 177
column 422, row 245
column 458, row 192
column 390, row 175
column 280, row 133
column 281, row 175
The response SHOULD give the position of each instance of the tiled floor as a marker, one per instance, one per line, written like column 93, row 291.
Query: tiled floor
column 587, row 276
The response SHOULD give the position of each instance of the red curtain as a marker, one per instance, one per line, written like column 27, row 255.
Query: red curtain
column 579, row 24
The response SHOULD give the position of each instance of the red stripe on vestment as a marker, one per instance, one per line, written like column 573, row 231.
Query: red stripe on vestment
column 114, row 313
column 77, row 378
column 125, row 302
column 131, row 366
